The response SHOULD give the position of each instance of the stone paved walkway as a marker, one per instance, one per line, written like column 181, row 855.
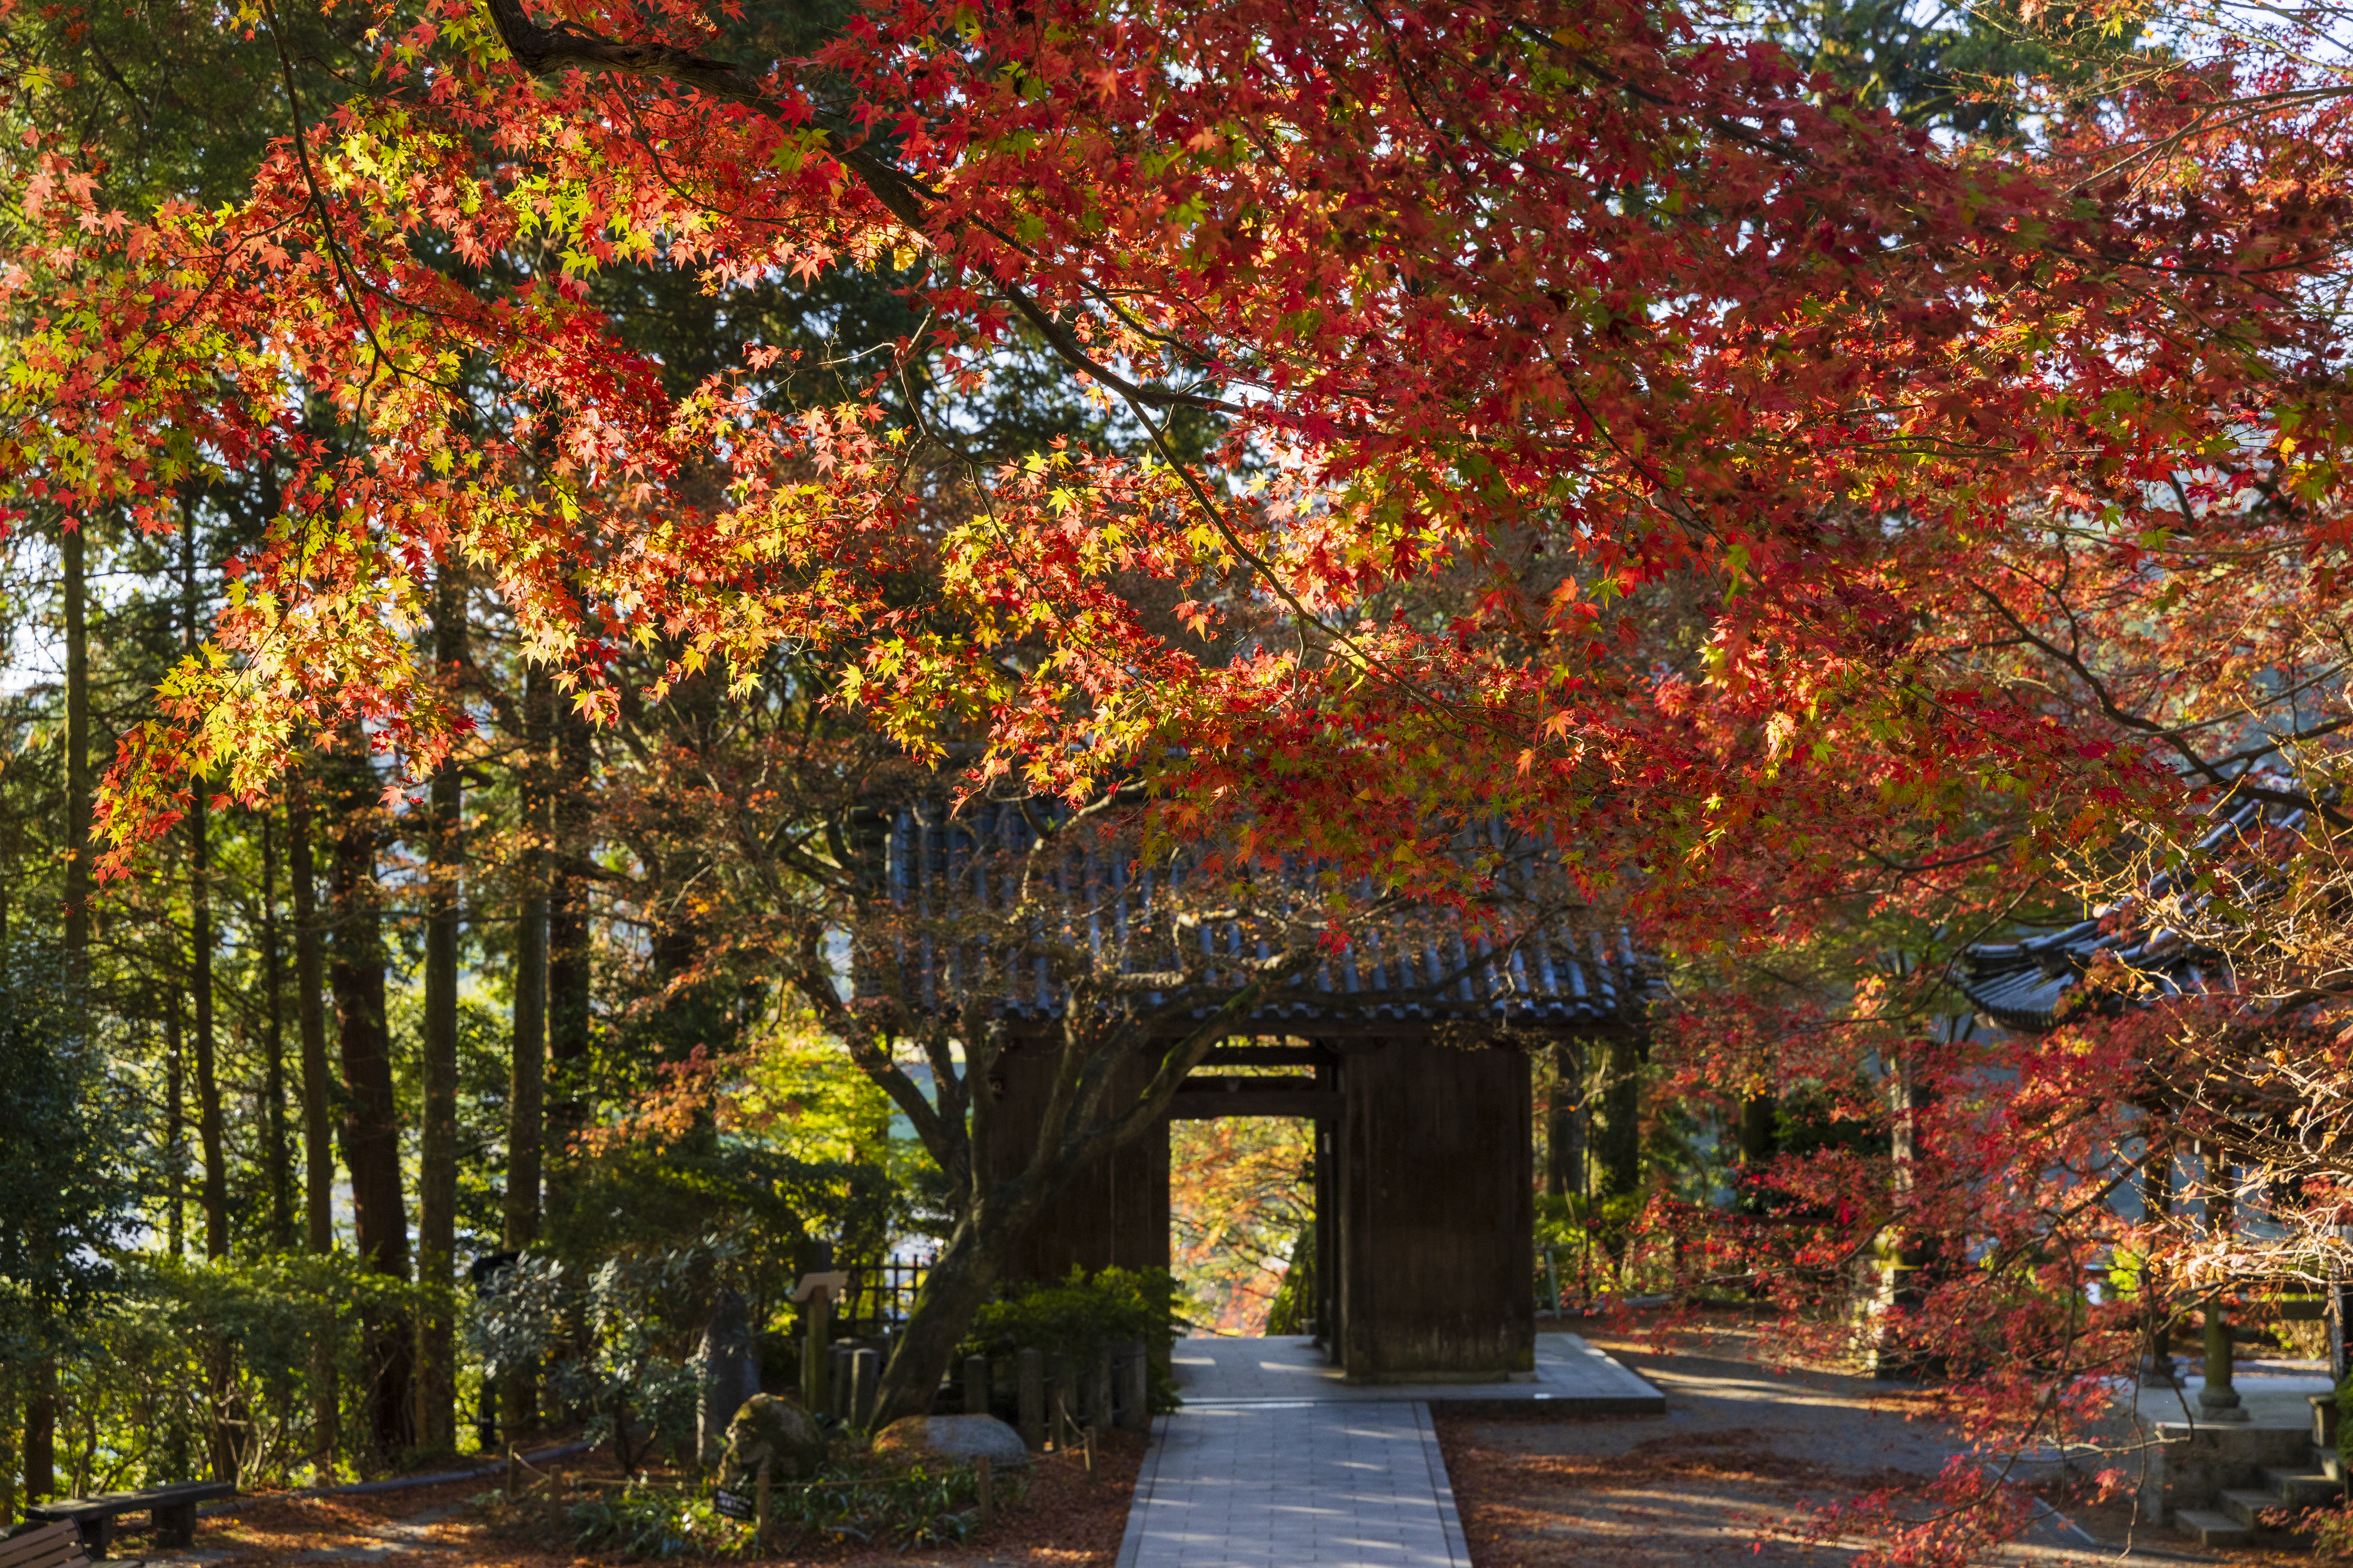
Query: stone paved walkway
column 1230, row 1371
column 1304, row 1485
column 1275, row 1463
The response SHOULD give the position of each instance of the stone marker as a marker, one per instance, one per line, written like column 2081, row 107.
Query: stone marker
column 772, row 1431
column 960, row 1438
column 865, row 1380
column 1032, row 1365
column 975, row 1386
column 729, row 1362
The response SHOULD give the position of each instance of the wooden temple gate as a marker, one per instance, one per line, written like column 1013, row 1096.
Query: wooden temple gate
column 1411, row 1053
column 1425, row 1185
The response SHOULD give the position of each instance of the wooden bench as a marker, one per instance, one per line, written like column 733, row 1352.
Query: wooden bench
column 50, row 1546
column 172, row 1509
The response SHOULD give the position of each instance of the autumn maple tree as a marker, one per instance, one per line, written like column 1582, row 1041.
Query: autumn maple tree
column 1579, row 415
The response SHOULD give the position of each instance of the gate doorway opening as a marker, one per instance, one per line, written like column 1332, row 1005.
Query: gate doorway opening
column 1422, row 1194
column 1242, row 1217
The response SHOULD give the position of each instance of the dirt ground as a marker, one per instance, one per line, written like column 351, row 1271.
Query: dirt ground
column 1067, row 1521
column 1739, row 1469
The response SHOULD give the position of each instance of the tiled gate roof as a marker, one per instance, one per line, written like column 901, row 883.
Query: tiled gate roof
column 957, row 885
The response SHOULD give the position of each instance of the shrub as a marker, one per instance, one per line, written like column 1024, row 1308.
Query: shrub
column 651, row 1521
column 1078, row 1315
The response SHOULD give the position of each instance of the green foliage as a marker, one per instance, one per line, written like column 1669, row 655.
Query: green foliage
column 1293, row 1310
column 1955, row 67
column 2344, row 1419
column 65, row 1196
column 770, row 1206
column 193, row 1364
column 615, row 1339
column 1078, row 1315
column 919, row 1507
column 647, row 1520
column 610, row 1307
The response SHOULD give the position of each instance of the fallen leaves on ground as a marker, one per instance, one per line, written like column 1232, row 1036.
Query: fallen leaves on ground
column 1066, row 1521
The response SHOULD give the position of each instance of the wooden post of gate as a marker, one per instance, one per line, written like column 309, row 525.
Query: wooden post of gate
column 760, row 1511
column 986, row 1483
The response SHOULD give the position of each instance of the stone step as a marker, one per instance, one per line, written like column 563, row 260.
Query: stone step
column 2249, row 1506
column 2212, row 1529
column 2327, row 1462
column 2304, row 1488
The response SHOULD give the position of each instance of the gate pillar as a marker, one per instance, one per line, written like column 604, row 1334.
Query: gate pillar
column 1436, row 1216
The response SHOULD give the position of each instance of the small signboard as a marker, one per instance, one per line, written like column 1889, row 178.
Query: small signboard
column 734, row 1505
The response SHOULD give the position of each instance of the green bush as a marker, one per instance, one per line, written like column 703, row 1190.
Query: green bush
column 1078, row 1315
column 650, row 1522
column 2344, row 1419
column 1293, row 1310
column 190, row 1368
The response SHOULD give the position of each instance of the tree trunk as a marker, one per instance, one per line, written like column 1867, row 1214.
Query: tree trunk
column 200, row 970
column 310, row 1024
column 1618, row 1142
column 200, row 949
column 526, row 1088
column 372, row 1125
column 77, row 790
column 39, row 1448
column 276, row 1160
column 567, row 925
column 318, row 1123
column 1757, row 1116
column 955, row 1287
column 175, row 1128
column 41, row 1432
column 1564, row 1122
column 437, row 1188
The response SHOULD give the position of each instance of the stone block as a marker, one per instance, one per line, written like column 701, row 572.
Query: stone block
column 2208, row 1529
column 963, row 1438
column 2191, row 1465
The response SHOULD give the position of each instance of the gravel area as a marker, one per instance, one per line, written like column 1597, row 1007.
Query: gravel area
column 1738, row 1468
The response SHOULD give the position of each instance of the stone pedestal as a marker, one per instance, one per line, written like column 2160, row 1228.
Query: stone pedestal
column 2189, row 1465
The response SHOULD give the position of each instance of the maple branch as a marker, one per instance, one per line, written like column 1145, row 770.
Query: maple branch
column 384, row 361
column 2198, row 763
column 1065, row 342
column 545, row 51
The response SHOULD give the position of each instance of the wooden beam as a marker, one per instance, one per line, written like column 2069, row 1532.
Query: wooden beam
column 1204, row 1100
column 1268, row 1057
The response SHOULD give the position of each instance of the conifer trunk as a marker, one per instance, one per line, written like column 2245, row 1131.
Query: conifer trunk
column 372, row 1125
column 175, row 1128
column 39, row 1447
column 527, row 1070
column 276, row 1161
column 437, row 1190
column 568, row 924
column 310, row 1024
column 215, row 1188
column 78, row 787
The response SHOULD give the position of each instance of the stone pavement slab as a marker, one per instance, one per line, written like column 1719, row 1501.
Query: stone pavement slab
column 1296, row 1484
column 1237, row 1371
column 1277, row 1462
